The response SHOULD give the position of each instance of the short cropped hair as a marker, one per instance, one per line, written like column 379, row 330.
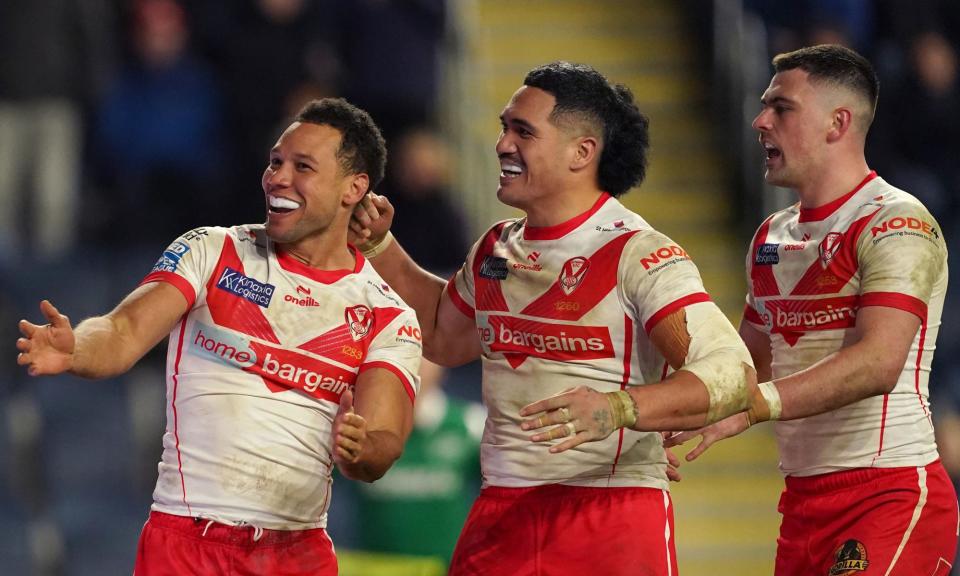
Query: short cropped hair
column 837, row 65
column 362, row 148
column 583, row 95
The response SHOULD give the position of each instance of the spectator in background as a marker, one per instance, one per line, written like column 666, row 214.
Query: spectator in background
column 391, row 62
column 55, row 57
column 419, row 187
column 157, row 143
column 419, row 507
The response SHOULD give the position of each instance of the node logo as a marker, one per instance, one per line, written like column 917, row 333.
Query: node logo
column 849, row 559
column 572, row 273
column 829, row 247
column 359, row 320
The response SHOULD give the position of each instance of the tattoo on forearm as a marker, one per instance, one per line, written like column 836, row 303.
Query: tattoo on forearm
column 602, row 418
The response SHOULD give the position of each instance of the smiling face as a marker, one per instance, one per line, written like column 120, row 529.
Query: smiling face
column 305, row 187
column 793, row 124
column 535, row 154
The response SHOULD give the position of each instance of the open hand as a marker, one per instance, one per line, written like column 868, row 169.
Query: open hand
column 46, row 349
column 729, row 426
column 581, row 413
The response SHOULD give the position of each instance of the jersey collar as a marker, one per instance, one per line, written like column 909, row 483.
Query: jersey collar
column 564, row 228
column 821, row 212
column 291, row 264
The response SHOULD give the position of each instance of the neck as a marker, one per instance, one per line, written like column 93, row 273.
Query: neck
column 559, row 208
column 832, row 183
column 322, row 252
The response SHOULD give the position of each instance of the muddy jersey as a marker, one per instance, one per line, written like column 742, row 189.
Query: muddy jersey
column 567, row 305
column 810, row 272
column 255, row 371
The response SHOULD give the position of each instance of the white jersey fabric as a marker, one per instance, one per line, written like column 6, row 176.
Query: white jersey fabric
column 255, row 371
column 564, row 306
column 810, row 271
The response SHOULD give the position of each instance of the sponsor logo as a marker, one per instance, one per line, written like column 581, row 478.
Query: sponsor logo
column 260, row 293
column 572, row 273
column 410, row 335
column 794, row 247
column 533, row 256
column 170, row 259
column 302, row 298
column 195, row 234
column 909, row 223
column 531, row 267
column 805, row 315
column 767, row 255
column 829, row 246
column 542, row 340
column 359, row 319
column 280, row 369
column 849, row 558
column 666, row 254
column 618, row 226
column 493, row 268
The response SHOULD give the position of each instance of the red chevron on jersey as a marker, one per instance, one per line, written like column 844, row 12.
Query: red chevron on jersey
column 230, row 310
column 518, row 339
column 338, row 344
column 764, row 282
column 489, row 293
column 837, row 262
column 572, row 300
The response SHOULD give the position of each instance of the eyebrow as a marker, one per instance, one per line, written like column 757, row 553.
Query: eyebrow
column 518, row 121
column 776, row 100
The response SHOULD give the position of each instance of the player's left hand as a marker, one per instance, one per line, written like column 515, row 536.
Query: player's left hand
column 349, row 432
column 580, row 415
column 729, row 426
column 673, row 461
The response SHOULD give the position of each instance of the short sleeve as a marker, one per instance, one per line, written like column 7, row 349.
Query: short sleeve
column 657, row 277
column 397, row 347
column 186, row 262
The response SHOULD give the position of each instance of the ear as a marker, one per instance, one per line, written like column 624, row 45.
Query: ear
column 585, row 152
column 359, row 185
column 840, row 124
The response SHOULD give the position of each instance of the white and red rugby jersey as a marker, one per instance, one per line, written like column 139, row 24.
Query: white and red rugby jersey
column 809, row 272
column 567, row 305
column 255, row 371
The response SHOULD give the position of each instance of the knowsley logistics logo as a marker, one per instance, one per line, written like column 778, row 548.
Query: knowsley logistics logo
column 550, row 341
column 280, row 369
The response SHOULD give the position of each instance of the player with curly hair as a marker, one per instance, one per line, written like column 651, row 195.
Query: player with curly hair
column 595, row 333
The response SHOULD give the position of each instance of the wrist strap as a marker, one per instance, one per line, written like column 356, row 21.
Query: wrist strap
column 378, row 248
column 623, row 409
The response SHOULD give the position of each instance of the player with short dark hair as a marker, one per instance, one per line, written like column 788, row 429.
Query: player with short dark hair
column 845, row 291
column 287, row 354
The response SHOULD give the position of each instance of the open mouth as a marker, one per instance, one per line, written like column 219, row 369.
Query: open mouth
column 510, row 169
column 771, row 151
column 280, row 205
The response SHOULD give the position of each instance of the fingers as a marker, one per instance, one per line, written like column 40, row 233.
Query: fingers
column 346, row 402
column 28, row 329
column 555, row 433
column 672, row 459
column 350, row 436
column 559, row 416
column 57, row 320
column 680, row 437
column 700, row 449
column 544, row 405
column 573, row 442
column 673, row 475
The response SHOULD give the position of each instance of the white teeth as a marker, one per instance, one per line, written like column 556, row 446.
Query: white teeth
column 282, row 203
column 511, row 168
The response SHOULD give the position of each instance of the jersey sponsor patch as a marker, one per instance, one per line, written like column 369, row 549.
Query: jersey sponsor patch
column 170, row 259
column 849, row 559
column 767, row 255
column 238, row 284
column 522, row 338
column 493, row 268
column 899, row 226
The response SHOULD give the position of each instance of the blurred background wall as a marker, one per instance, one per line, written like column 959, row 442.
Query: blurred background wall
column 126, row 122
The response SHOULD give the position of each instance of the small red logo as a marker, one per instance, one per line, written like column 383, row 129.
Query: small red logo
column 618, row 224
column 572, row 273
column 359, row 319
column 302, row 290
column 828, row 248
column 533, row 256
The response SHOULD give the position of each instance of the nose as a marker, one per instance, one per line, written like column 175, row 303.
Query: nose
column 762, row 122
column 276, row 176
column 505, row 144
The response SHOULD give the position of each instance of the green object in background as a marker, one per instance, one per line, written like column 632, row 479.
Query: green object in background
column 371, row 564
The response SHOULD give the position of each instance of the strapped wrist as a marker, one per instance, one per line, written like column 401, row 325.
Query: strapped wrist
column 765, row 405
column 623, row 409
column 373, row 250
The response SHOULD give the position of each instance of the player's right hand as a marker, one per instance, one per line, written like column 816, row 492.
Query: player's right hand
column 729, row 426
column 46, row 349
column 370, row 221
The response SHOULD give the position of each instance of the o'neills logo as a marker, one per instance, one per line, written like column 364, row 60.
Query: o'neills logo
column 572, row 273
column 359, row 319
column 806, row 315
column 551, row 341
column 280, row 369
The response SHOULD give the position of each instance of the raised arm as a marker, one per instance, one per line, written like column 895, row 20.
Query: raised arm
column 102, row 346
column 372, row 425
column 449, row 337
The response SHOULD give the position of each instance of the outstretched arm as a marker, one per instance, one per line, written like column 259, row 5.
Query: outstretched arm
column 102, row 346
column 449, row 337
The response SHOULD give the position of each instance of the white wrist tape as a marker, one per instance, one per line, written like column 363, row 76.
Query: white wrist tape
column 378, row 248
column 772, row 396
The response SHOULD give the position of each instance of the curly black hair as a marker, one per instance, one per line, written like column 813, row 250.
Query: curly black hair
column 584, row 94
column 362, row 148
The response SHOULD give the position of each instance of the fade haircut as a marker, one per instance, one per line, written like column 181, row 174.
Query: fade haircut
column 362, row 149
column 585, row 97
column 839, row 66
